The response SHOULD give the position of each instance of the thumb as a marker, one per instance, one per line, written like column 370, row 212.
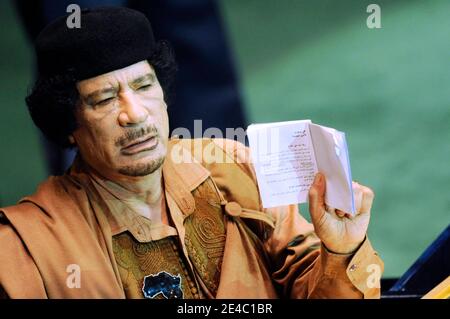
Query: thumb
column 317, row 197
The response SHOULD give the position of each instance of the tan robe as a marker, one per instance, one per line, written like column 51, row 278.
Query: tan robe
column 66, row 222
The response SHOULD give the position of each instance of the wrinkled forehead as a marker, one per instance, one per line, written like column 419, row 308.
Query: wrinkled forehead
column 116, row 77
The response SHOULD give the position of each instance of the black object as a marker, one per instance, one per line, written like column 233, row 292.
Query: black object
column 430, row 269
column 109, row 38
column 163, row 283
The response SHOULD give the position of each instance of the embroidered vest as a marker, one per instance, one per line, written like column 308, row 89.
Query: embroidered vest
column 205, row 241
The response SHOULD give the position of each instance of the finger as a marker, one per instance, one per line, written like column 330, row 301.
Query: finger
column 335, row 212
column 367, row 199
column 340, row 213
column 316, row 197
column 357, row 196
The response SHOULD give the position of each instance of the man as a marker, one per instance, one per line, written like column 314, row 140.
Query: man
column 200, row 41
column 140, row 216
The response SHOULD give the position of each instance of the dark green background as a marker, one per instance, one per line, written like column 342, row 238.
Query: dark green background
column 388, row 89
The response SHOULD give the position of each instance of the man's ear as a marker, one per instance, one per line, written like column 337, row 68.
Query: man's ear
column 71, row 139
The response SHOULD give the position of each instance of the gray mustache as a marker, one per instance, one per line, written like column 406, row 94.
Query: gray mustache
column 133, row 135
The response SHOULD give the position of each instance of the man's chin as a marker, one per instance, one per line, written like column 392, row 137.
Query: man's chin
column 142, row 169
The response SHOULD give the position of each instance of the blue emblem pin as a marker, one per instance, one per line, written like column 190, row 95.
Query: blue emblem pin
column 162, row 283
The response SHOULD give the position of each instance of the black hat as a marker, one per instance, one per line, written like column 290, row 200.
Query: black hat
column 109, row 38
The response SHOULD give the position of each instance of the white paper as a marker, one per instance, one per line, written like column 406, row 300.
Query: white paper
column 332, row 160
column 287, row 155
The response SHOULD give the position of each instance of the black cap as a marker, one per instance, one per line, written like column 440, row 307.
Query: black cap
column 110, row 38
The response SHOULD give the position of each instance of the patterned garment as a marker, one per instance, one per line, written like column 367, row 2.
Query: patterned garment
column 204, row 240
column 206, row 235
column 137, row 260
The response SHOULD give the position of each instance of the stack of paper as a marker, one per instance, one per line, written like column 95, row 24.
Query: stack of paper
column 287, row 155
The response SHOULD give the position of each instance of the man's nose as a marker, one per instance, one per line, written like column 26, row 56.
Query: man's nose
column 132, row 110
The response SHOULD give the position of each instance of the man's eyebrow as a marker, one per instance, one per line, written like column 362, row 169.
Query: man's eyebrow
column 90, row 98
column 142, row 78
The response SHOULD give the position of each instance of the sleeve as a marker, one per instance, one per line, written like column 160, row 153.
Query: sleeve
column 19, row 275
column 301, row 265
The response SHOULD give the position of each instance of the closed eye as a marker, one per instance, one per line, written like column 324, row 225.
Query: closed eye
column 144, row 87
column 105, row 101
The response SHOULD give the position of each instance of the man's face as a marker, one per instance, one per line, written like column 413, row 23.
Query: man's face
column 122, row 122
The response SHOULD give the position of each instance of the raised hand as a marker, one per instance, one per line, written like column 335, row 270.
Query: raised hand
column 339, row 231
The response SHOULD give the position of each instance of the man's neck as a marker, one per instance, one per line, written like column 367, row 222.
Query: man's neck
column 144, row 194
column 142, row 188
